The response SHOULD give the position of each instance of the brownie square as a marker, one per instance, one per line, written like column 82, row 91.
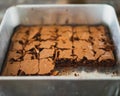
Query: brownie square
column 64, row 29
column 64, row 37
column 105, row 58
column 47, row 44
column 64, row 33
column 48, row 30
column 64, row 44
column 21, row 34
column 11, row 69
column 83, row 49
column 46, row 66
column 14, row 56
column 47, row 53
column 31, row 45
column 16, row 45
column 64, row 58
column 34, row 32
column 65, row 54
column 81, row 33
column 29, row 66
column 48, row 33
column 97, row 34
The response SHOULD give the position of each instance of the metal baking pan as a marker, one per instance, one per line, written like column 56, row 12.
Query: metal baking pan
column 97, row 82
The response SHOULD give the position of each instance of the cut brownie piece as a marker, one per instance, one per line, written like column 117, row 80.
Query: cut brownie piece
column 107, row 59
column 34, row 32
column 17, row 45
column 29, row 66
column 64, row 58
column 14, row 56
column 32, row 45
column 81, row 33
column 21, row 34
column 64, row 29
column 11, row 69
column 48, row 30
column 47, row 44
column 84, row 52
column 64, row 37
column 64, row 33
column 46, row 66
column 64, row 44
column 48, row 33
column 47, row 53
column 99, row 38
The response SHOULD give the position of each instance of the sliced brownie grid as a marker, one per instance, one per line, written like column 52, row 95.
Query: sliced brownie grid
column 39, row 50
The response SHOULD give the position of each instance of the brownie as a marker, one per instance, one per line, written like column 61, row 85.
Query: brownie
column 29, row 66
column 46, row 66
column 81, row 33
column 31, row 45
column 47, row 44
column 90, row 49
column 64, row 44
column 16, row 45
column 14, row 56
column 20, row 34
column 48, row 30
column 83, row 49
column 41, row 50
column 64, row 58
column 46, row 53
column 64, row 37
column 34, row 32
column 11, row 69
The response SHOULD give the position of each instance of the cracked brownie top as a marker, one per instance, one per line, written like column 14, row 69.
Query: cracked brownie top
column 39, row 50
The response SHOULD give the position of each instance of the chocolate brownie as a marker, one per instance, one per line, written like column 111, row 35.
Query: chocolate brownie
column 20, row 34
column 81, row 33
column 16, row 46
column 64, row 58
column 29, row 66
column 31, row 45
column 40, row 50
column 64, row 44
column 11, row 69
column 34, row 32
column 14, row 56
column 47, row 44
column 46, row 66
column 64, row 37
column 46, row 53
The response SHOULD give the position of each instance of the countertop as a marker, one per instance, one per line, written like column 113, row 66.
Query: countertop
column 4, row 4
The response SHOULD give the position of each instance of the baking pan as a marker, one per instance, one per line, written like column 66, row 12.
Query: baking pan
column 99, row 82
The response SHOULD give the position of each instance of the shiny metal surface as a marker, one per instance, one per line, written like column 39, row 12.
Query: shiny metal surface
column 97, row 83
